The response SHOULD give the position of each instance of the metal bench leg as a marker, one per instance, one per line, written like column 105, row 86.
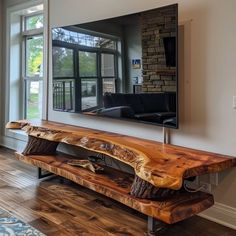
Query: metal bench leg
column 42, row 175
column 155, row 226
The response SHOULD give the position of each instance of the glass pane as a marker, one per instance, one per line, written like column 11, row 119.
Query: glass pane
column 34, row 56
column 109, row 85
column 63, row 95
column 65, row 35
column 87, row 64
column 107, row 43
column 34, row 99
column 34, row 22
column 63, row 64
column 108, row 65
column 89, row 93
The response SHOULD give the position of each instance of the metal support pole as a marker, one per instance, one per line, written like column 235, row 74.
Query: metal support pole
column 155, row 226
column 151, row 224
column 42, row 175
column 166, row 135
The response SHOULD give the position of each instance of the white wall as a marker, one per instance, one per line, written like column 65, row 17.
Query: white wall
column 207, row 82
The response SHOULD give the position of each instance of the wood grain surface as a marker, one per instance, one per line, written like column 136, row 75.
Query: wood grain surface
column 116, row 185
column 143, row 189
column 64, row 208
column 162, row 165
column 40, row 146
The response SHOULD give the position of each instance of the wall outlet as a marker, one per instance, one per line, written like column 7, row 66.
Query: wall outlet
column 205, row 187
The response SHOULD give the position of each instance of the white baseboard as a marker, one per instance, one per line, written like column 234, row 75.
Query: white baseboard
column 221, row 214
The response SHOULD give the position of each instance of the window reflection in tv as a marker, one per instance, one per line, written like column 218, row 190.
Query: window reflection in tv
column 123, row 67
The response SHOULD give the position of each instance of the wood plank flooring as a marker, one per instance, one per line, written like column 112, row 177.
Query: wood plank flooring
column 62, row 208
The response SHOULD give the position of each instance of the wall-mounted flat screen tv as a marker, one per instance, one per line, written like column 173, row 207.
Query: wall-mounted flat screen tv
column 124, row 67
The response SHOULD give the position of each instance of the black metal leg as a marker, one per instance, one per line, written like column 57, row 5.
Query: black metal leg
column 155, row 226
column 151, row 224
column 43, row 175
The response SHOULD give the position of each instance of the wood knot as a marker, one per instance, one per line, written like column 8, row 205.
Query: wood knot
column 106, row 146
column 84, row 140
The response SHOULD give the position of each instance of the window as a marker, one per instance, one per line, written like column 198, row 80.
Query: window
column 108, row 72
column 84, row 68
column 63, row 64
column 63, row 71
column 32, row 64
column 34, row 22
column 89, row 76
column 82, row 39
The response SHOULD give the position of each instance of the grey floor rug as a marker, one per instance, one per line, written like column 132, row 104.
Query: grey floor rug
column 11, row 226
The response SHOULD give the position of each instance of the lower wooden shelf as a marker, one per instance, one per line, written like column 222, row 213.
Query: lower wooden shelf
column 116, row 185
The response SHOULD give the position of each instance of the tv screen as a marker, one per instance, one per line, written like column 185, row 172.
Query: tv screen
column 123, row 67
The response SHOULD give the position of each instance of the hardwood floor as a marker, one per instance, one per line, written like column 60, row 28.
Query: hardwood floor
column 62, row 208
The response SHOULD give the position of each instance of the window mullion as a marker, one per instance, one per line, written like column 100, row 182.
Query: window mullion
column 33, row 32
column 27, row 78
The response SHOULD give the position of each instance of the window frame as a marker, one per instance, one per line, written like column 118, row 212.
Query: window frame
column 25, row 35
column 96, row 77
column 25, row 17
column 13, row 85
column 78, row 79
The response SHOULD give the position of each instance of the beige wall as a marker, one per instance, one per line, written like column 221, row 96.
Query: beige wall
column 207, row 81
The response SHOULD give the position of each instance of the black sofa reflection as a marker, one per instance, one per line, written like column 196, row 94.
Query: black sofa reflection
column 151, row 107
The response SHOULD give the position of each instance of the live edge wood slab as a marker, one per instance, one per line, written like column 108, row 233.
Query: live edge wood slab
column 156, row 165
column 162, row 165
column 116, row 185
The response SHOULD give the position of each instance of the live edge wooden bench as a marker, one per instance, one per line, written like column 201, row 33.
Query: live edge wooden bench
column 156, row 189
